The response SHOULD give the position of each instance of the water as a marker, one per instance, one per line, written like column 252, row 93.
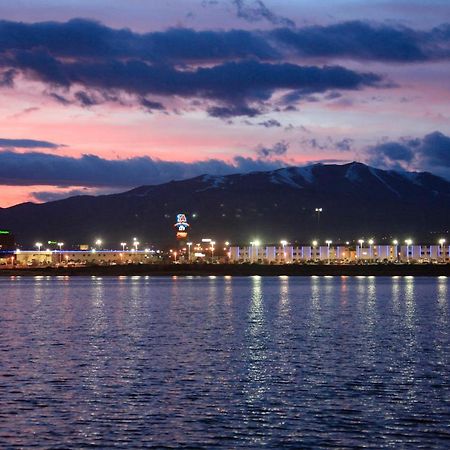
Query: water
column 140, row 362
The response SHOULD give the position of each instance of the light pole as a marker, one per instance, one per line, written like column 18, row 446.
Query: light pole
column 441, row 248
column 254, row 245
column 123, row 244
column 318, row 211
column 328, row 242
column 189, row 250
column 60, row 245
column 284, row 243
column 371, row 248
column 98, row 243
column 314, row 244
column 395, row 242
column 360, row 242
column 213, row 243
column 39, row 246
column 408, row 242
column 136, row 245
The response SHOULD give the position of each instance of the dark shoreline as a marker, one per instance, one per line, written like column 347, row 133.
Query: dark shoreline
column 236, row 270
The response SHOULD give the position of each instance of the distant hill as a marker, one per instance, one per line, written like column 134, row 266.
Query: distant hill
column 357, row 200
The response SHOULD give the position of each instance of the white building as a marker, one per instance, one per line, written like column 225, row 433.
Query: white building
column 287, row 254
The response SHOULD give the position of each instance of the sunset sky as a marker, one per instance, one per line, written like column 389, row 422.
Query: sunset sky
column 100, row 96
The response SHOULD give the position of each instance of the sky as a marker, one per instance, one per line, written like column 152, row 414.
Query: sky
column 100, row 96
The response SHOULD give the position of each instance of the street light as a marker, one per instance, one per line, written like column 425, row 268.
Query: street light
column 254, row 244
column 38, row 245
column 360, row 242
column 212, row 250
column 408, row 242
column 395, row 242
column 441, row 243
column 314, row 244
column 60, row 245
column 189, row 250
column 328, row 242
column 318, row 211
column 136, row 245
column 370, row 248
column 123, row 244
column 284, row 243
column 98, row 243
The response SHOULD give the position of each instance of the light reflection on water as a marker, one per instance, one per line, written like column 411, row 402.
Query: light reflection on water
column 224, row 362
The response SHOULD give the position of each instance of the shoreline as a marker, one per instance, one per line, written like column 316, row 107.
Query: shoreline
column 235, row 270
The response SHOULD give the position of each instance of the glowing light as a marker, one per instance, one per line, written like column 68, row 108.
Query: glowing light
column 182, row 223
column 38, row 245
column 314, row 243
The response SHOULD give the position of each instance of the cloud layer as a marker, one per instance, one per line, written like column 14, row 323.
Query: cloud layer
column 236, row 71
column 36, row 168
column 432, row 152
column 26, row 143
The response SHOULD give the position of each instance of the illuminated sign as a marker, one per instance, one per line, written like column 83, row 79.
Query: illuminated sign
column 4, row 232
column 52, row 242
column 182, row 223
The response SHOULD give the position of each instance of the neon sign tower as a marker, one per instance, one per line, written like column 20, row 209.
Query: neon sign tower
column 181, row 226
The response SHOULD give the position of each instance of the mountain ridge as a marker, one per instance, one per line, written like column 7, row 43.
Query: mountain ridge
column 357, row 200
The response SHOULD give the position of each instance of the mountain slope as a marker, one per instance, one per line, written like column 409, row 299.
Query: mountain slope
column 357, row 200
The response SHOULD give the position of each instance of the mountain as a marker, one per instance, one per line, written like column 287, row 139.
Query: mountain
column 357, row 200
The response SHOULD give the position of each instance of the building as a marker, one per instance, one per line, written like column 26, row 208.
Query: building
column 89, row 257
column 289, row 254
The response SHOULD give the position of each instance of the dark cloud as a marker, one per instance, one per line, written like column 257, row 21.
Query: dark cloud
column 35, row 168
column 364, row 41
column 7, row 78
column 151, row 105
column 87, row 39
column 230, row 82
column 228, row 68
column 225, row 112
column 279, row 149
column 270, row 123
column 27, row 143
column 432, row 152
column 85, row 99
column 60, row 98
column 328, row 143
column 236, row 71
column 256, row 10
column 344, row 144
column 90, row 40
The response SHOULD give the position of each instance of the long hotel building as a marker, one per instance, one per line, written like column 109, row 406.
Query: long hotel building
column 289, row 254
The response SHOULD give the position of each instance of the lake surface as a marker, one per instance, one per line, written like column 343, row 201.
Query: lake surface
column 282, row 362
